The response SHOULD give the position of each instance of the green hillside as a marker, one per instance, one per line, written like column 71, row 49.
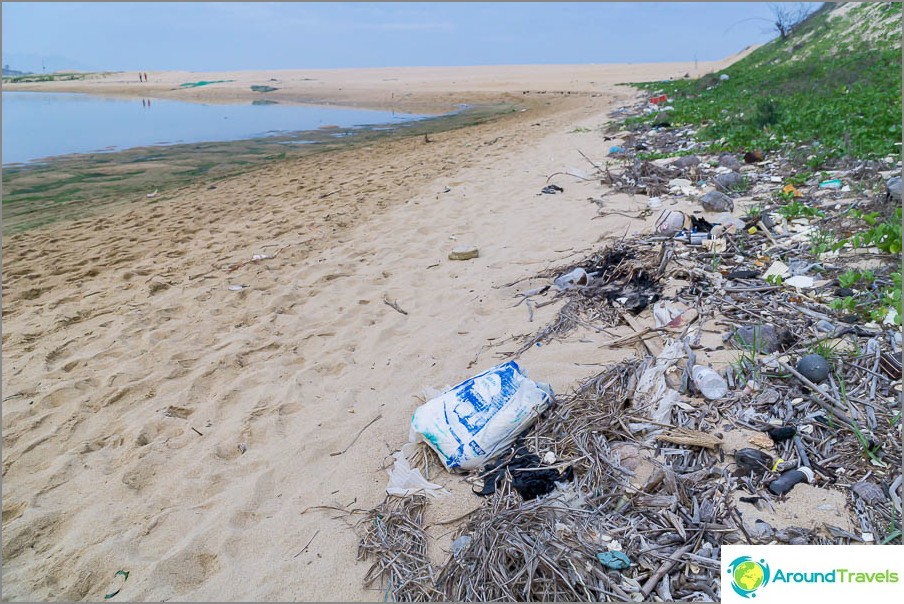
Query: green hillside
column 832, row 85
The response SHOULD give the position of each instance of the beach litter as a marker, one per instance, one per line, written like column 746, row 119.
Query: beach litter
column 475, row 421
column 663, row 457
column 116, row 585
column 464, row 252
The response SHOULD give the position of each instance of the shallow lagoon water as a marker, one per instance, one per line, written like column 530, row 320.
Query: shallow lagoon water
column 38, row 125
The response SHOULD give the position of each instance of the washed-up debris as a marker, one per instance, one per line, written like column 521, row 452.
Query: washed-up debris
column 464, row 252
column 782, row 434
column 614, row 559
column 477, row 420
column 395, row 539
column 752, row 460
column 528, row 477
column 710, row 384
column 552, row 189
column 787, row 480
column 654, row 470
column 576, row 278
column 669, row 222
column 830, row 184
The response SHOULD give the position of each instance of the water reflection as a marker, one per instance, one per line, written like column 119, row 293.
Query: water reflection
column 38, row 125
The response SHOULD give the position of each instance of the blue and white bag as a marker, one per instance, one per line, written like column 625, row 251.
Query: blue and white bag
column 481, row 417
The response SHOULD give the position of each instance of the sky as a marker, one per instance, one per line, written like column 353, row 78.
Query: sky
column 223, row 36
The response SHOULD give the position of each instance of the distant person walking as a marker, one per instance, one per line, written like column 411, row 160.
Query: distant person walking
column 140, row 77
column 145, row 76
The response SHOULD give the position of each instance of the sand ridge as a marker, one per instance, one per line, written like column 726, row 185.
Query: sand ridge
column 160, row 419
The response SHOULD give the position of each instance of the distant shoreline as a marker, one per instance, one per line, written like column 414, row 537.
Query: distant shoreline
column 412, row 89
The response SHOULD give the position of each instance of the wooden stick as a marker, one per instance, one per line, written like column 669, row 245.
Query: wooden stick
column 394, row 305
column 670, row 562
column 307, row 544
column 831, row 408
column 354, row 440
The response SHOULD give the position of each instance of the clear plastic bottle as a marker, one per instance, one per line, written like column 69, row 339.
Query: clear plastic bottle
column 710, row 384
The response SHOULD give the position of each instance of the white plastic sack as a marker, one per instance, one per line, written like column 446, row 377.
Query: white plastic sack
column 472, row 422
column 405, row 480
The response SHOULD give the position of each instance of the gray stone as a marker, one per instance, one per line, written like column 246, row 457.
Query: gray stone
column 732, row 181
column 894, row 188
column 868, row 492
column 729, row 161
column 761, row 530
column 716, row 201
column 661, row 120
column 464, row 252
column 813, row 367
column 765, row 338
column 686, row 161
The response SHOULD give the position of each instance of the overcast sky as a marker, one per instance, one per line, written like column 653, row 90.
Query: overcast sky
column 219, row 36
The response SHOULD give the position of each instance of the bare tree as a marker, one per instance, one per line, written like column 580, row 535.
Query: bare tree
column 787, row 16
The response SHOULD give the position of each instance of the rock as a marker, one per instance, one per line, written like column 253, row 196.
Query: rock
column 894, row 188
column 813, row 367
column 661, row 120
column 868, row 492
column 762, row 531
column 765, row 338
column 716, row 201
column 730, row 182
column 724, row 77
column 727, row 160
column 464, row 252
column 258, row 88
column 686, row 161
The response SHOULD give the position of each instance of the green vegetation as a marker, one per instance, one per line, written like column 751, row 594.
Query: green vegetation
column 876, row 301
column 66, row 76
column 831, row 89
column 796, row 209
column 886, row 235
column 851, row 277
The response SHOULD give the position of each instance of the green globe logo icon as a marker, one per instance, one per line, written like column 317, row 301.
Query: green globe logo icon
column 748, row 575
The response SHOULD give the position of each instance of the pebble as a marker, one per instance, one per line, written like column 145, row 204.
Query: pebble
column 716, row 201
column 813, row 367
column 868, row 492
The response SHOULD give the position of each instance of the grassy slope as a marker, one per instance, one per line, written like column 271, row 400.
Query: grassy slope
column 835, row 81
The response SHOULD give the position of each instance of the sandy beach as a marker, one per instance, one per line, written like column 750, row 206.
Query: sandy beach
column 184, row 380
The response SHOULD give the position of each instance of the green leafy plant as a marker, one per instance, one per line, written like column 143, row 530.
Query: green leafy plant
column 852, row 277
column 797, row 209
column 821, row 241
column 886, row 235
